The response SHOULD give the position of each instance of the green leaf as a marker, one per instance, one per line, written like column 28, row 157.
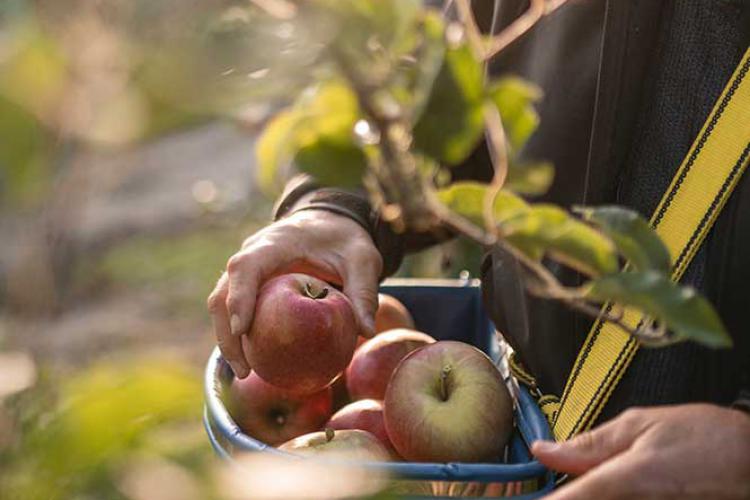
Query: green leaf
column 531, row 179
column 316, row 134
column 685, row 312
column 633, row 236
column 467, row 200
column 547, row 229
column 332, row 163
column 515, row 98
column 452, row 122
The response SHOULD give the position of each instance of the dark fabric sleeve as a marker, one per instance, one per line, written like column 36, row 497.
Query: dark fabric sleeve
column 349, row 203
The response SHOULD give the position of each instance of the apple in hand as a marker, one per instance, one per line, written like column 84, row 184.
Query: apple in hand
column 351, row 444
column 274, row 415
column 303, row 333
column 447, row 402
column 365, row 415
column 391, row 314
column 373, row 363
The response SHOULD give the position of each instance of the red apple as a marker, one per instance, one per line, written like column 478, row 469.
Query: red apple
column 274, row 415
column 303, row 333
column 354, row 444
column 392, row 314
column 373, row 363
column 365, row 415
column 447, row 402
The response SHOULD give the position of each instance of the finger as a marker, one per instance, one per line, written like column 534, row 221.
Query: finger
column 246, row 272
column 230, row 346
column 616, row 479
column 361, row 286
column 591, row 448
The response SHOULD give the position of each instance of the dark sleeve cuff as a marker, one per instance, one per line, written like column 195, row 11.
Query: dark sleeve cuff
column 352, row 204
column 742, row 402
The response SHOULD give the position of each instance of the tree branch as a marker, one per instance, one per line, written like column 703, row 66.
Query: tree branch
column 537, row 10
column 499, row 158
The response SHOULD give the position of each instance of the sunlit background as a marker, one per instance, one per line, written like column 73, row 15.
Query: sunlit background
column 126, row 181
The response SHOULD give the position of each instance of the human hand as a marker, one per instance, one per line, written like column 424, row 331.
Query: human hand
column 696, row 451
column 329, row 246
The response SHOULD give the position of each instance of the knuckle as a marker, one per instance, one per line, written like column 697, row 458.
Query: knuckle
column 632, row 414
column 214, row 302
column 235, row 263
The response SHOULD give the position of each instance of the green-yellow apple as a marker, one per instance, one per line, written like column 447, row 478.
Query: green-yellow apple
column 351, row 444
column 447, row 402
column 373, row 363
column 274, row 415
column 303, row 333
column 365, row 415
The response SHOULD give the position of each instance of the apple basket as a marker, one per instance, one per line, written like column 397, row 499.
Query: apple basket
column 446, row 309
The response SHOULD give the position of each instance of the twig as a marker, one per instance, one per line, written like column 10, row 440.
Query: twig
column 520, row 26
column 499, row 158
column 473, row 33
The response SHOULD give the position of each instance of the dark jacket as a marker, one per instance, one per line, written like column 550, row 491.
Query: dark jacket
column 628, row 85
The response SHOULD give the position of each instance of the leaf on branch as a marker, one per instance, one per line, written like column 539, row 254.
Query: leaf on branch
column 549, row 230
column 633, row 236
column 685, row 312
column 316, row 134
column 531, row 179
column 451, row 123
column 515, row 98
column 467, row 200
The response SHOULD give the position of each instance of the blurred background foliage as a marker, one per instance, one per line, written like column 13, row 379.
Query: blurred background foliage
column 127, row 130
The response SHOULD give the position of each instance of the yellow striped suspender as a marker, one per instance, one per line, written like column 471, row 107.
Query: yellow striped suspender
column 688, row 209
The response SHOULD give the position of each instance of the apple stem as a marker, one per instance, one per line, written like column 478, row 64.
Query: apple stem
column 444, row 373
column 320, row 294
column 329, row 434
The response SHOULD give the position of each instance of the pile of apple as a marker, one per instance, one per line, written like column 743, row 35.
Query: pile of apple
column 414, row 398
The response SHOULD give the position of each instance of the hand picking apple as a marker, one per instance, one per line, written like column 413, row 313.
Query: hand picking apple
column 274, row 415
column 303, row 335
column 326, row 245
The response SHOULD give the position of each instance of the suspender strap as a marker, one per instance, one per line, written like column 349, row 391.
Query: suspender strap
column 693, row 201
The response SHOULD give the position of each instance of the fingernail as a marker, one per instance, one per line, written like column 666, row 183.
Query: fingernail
column 544, row 446
column 235, row 324
column 239, row 370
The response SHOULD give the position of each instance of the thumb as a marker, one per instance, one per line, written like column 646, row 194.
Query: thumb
column 361, row 286
column 589, row 449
